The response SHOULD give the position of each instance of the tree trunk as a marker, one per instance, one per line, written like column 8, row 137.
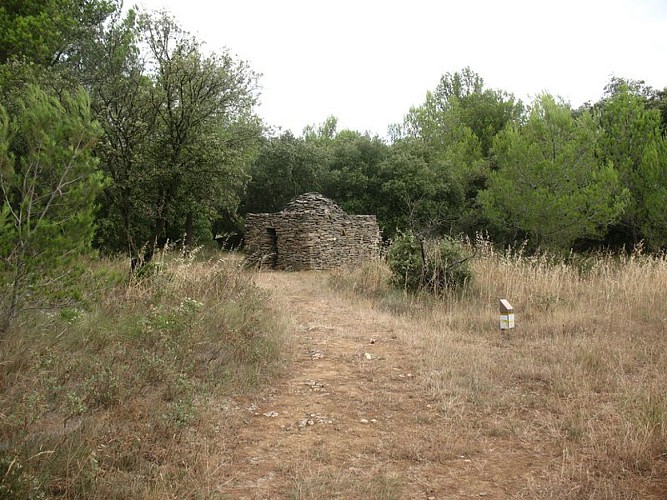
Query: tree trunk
column 151, row 248
column 13, row 307
column 424, row 277
column 189, row 238
column 160, row 225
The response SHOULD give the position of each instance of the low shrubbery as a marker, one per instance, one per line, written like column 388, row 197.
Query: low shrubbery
column 433, row 265
column 107, row 399
column 581, row 378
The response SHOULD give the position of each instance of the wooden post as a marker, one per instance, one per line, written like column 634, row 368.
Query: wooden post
column 506, row 315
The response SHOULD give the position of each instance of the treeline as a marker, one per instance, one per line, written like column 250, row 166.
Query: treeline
column 473, row 159
column 173, row 124
column 120, row 131
column 117, row 131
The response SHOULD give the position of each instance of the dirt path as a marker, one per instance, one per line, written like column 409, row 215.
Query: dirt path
column 352, row 420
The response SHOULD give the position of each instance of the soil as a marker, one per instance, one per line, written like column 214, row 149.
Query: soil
column 353, row 420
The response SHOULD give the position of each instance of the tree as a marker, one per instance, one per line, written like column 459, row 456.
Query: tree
column 659, row 101
column 223, row 156
column 653, row 183
column 457, row 123
column 284, row 168
column 458, row 107
column 352, row 176
column 191, row 95
column 120, row 95
column 44, row 42
column 179, row 132
column 549, row 183
column 323, row 134
column 484, row 111
column 48, row 32
column 417, row 193
column 48, row 183
column 631, row 141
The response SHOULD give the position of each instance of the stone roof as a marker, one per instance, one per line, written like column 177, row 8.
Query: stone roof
column 313, row 203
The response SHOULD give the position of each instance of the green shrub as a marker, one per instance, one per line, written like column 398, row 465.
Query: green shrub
column 405, row 261
column 94, row 394
column 15, row 482
column 436, row 265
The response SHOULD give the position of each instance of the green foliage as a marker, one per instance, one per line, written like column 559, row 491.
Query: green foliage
column 632, row 142
column 181, row 143
column 416, row 193
column 426, row 181
column 354, row 172
column 48, row 181
column 322, row 134
column 89, row 401
column 653, row 186
column 405, row 261
column 549, row 183
column 436, row 265
column 344, row 166
column 457, row 124
column 120, row 99
column 284, row 167
column 15, row 482
column 179, row 132
column 460, row 106
column 48, row 31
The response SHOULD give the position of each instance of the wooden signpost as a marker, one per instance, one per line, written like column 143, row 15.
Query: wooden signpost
column 506, row 315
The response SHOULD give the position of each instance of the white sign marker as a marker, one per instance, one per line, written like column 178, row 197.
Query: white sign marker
column 506, row 315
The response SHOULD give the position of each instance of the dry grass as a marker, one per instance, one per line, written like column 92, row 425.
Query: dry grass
column 583, row 377
column 132, row 394
column 115, row 399
column 315, row 483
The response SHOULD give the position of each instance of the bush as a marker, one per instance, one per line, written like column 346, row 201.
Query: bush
column 101, row 399
column 436, row 265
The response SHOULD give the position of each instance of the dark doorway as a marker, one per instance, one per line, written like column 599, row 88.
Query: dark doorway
column 274, row 247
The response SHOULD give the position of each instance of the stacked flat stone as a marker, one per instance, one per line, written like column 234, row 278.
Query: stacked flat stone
column 311, row 232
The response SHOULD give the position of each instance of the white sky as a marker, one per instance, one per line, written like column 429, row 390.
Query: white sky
column 368, row 61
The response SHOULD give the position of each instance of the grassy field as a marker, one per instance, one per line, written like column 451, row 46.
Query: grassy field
column 583, row 376
column 114, row 398
column 124, row 394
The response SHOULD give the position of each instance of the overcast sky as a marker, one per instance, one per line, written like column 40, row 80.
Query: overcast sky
column 368, row 61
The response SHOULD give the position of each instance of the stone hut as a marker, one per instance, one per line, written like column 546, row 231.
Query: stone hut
column 311, row 232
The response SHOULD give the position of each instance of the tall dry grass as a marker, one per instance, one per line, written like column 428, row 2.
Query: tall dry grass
column 582, row 379
column 120, row 396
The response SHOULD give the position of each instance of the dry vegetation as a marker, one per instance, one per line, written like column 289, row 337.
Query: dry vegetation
column 582, row 379
column 131, row 395
column 123, row 396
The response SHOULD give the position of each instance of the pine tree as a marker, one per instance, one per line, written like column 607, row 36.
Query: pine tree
column 48, row 184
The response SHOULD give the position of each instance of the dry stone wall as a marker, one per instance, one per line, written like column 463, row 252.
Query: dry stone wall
column 311, row 232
